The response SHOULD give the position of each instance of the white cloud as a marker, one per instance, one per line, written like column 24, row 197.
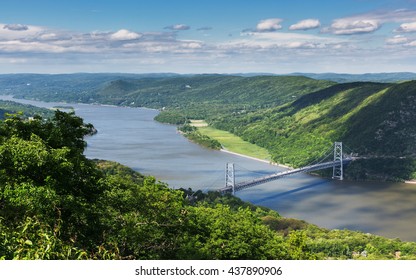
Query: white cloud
column 269, row 25
column 37, row 47
column 407, row 27
column 164, row 46
column 353, row 26
column 178, row 27
column 191, row 44
column 399, row 39
column 261, row 41
column 124, row 34
column 370, row 22
column 257, row 50
column 305, row 24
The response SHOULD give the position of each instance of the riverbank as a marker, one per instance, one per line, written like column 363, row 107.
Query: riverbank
column 231, row 142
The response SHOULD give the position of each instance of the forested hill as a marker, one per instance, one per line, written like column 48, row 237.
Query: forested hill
column 294, row 117
column 375, row 120
column 200, row 93
column 10, row 107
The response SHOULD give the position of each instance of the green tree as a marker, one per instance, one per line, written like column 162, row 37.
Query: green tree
column 220, row 233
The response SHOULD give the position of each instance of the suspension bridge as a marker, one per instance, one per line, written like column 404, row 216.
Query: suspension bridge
column 337, row 164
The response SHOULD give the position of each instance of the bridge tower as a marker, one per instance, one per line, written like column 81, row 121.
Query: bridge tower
column 338, row 172
column 230, row 176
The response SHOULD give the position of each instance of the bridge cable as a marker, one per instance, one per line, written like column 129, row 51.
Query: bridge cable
column 329, row 152
column 345, row 147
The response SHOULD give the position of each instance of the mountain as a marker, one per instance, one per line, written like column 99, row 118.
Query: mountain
column 375, row 120
column 220, row 89
column 78, row 87
column 368, row 77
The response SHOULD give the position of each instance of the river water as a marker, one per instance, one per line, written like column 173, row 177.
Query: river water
column 131, row 137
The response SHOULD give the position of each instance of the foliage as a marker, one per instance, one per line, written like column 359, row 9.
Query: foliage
column 56, row 204
column 295, row 118
column 219, row 233
column 171, row 117
column 373, row 120
column 195, row 136
column 10, row 107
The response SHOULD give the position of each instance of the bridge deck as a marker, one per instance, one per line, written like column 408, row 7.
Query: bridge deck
column 257, row 181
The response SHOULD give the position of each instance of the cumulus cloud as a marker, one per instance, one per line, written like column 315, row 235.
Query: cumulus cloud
column 257, row 47
column 370, row 22
column 353, row 26
column 407, row 27
column 124, row 34
column 16, row 27
column 305, row 24
column 269, row 25
column 178, row 27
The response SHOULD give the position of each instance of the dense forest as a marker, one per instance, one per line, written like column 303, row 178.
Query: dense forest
column 375, row 121
column 295, row 118
column 57, row 204
column 10, row 107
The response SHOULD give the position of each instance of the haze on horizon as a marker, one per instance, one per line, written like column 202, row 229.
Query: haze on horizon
column 346, row 36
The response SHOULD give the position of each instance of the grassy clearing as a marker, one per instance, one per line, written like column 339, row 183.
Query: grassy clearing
column 232, row 142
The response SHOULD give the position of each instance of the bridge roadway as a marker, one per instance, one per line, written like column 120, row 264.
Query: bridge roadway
column 257, row 181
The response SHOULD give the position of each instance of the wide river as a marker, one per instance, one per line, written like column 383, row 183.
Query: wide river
column 131, row 137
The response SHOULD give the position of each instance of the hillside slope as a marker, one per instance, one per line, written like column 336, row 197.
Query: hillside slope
column 375, row 120
column 200, row 95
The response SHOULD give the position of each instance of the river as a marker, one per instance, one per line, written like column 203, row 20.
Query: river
column 131, row 137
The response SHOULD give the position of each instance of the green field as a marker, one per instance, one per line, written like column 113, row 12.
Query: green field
column 232, row 142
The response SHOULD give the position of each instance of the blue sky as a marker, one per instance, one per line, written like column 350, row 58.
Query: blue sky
column 216, row 36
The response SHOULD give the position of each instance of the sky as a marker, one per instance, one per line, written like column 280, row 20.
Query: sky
column 200, row 36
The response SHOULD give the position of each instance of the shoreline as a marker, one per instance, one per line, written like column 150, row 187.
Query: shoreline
column 257, row 159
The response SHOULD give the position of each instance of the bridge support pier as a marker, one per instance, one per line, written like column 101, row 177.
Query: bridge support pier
column 338, row 171
column 230, row 176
